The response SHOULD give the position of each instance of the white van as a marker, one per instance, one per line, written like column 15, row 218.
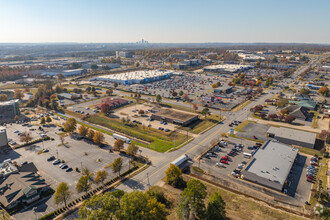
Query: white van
column 247, row 155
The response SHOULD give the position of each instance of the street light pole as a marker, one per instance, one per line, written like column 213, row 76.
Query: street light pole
column 34, row 211
column 148, row 180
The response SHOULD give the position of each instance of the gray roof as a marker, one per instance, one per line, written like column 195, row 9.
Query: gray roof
column 293, row 134
column 273, row 161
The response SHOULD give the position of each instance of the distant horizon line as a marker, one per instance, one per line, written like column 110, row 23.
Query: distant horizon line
column 305, row 43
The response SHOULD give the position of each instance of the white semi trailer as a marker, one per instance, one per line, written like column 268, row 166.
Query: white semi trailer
column 125, row 139
column 180, row 160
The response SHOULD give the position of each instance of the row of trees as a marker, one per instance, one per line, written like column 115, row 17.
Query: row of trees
column 71, row 126
column 63, row 193
column 84, row 184
column 192, row 204
column 121, row 205
column 96, row 137
column 43, row 120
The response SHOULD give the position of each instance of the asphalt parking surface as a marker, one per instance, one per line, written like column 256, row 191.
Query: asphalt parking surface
column 210, row 164
column 255, row 129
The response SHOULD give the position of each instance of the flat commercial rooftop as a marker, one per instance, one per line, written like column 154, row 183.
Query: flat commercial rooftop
column 175, row 114
column 273, row 161
column 292, row 134
column 135, row 75
column 227, row 67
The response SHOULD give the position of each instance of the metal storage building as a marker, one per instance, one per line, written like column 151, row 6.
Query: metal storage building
column 292, row 136
column 271, row 165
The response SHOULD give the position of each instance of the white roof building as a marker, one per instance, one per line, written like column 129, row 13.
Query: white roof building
column 231, row 68
column 136, row 77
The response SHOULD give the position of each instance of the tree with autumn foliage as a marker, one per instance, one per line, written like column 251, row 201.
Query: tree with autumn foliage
column 105, row 108
column 324, row 91
column 119, row 144
column 18, row 94
column 289, row 118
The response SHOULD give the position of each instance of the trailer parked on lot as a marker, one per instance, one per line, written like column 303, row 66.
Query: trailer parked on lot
column 125, row 139
column 180, row 160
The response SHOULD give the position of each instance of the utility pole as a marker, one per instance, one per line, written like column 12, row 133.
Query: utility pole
column 148, row 180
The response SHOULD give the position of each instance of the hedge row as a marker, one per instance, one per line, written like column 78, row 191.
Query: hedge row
column 35, row 141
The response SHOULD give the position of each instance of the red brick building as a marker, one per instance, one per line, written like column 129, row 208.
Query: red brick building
column 113, row 103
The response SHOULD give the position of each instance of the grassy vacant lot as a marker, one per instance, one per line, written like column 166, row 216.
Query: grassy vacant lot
column 321, row 176
column 309, row 151
column 237, row 206
column 202, row 124
column 160, row 141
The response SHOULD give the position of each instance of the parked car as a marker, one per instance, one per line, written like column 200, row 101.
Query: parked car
column 223, row 161
column 45, row 151
column 56, row 161
column 220, row 165
column 50, row 158
column 68, row 169
column 235, row 174
column 23, row 163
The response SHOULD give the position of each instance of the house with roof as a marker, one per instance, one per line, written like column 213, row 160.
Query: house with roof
column 302, row 97
column 21, row 188
column 311, row 105
column 67, row 96
column 299, row 112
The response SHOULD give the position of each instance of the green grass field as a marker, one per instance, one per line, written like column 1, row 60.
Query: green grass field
column 159, row 141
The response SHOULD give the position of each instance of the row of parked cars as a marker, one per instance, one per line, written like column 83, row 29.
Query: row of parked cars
column 312, row 169
column 63, row 166
column 234, row 123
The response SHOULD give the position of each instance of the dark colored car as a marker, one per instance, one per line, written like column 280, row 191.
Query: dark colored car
column 50, row 158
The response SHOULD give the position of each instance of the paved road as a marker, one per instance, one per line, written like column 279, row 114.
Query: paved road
column 156, row 172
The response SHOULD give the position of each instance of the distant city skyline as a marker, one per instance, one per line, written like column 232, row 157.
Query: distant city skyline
column 184, row 21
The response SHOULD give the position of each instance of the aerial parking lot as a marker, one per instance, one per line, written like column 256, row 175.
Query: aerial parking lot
column 76, row 154
column 227, row 160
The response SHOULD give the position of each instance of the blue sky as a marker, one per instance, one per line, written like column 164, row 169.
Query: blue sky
column 300, row 21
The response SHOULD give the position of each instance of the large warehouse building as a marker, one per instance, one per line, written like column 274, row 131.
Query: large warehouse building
column 174, row 116
column 3, row 139
column 292, row 136
column 136, row 77
column 227, row 68
column 271, row 165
